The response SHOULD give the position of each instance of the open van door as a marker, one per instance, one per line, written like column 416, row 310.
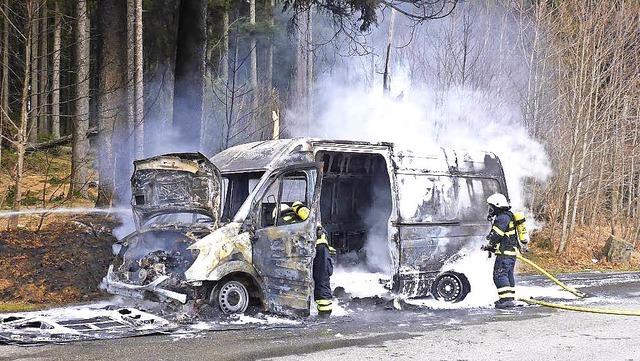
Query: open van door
column 283, row 253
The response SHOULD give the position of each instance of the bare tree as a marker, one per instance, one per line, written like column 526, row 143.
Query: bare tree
column 80, row 159
column 130, row 83
column 189, row 74
column 4, row 90
column 33, row 88
column 415, row 10
column 113, row 125
column 139, row 83
column 55, row 72
column 590, row 140
column 43, row 71
column 135, row 100
column 21, row 127
column 303, row 71
column 253, row 64
column 269, row 67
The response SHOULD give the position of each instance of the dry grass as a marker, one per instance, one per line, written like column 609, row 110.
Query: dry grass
column 46, row 185
column 583, row 253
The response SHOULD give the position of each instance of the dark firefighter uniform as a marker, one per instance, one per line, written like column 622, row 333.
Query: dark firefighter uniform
column 322, row 263
column 503, row 242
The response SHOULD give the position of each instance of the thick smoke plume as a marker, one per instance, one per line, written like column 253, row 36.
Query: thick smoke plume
column 479, row 112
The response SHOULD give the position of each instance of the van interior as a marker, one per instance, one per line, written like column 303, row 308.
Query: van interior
column 355, row 206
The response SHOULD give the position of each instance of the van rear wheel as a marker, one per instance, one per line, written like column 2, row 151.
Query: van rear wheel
column 230, row 296
column 451, row 287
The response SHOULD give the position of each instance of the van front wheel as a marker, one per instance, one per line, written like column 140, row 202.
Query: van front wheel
column 451, row 287
column 230, row 296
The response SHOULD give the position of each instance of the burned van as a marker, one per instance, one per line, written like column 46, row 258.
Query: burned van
column 421, row 207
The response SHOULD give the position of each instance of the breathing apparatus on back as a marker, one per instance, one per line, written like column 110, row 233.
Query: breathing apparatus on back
column 521, row 227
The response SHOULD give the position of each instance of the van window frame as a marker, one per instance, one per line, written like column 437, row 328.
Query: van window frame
column 457, row 219
column 312, row 173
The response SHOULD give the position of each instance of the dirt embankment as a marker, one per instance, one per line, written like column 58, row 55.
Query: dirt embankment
column 62, row 263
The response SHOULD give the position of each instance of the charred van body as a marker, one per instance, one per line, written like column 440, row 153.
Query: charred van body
column 421, row 206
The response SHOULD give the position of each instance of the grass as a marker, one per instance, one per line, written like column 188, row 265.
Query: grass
column 19, row 307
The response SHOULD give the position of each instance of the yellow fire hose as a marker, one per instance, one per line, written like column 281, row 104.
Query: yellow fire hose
column 573, row 291
column 549, row 276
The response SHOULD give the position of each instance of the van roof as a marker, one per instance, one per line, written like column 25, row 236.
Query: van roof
column 250, row 157
column 263, row 155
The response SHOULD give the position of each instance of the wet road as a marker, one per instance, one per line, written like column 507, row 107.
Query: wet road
column 374, row 329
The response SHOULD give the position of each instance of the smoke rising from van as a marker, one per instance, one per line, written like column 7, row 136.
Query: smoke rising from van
column 431, row 103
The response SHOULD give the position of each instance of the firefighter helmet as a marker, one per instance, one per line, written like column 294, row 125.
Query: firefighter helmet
column 498, row 200
column 284, row 208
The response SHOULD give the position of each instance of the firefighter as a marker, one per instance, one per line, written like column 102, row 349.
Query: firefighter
column 322, row 263
column 503, row 242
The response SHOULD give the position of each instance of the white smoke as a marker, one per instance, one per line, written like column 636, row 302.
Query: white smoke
column 485, row 114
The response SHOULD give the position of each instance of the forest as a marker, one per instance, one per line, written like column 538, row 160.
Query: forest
column 552, row 87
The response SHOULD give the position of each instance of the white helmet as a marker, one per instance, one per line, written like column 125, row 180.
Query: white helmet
column 283, row 208
column 498, row 200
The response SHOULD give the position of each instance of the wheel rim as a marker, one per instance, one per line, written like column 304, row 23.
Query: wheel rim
column 448, row 287
column 233, row 297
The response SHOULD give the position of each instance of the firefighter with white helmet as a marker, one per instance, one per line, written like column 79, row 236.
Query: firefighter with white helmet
column 503, row 242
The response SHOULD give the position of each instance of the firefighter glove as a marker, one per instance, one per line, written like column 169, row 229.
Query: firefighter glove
column 487, row 247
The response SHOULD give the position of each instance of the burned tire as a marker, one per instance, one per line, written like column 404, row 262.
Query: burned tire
column 451, row 287
column 230, row 297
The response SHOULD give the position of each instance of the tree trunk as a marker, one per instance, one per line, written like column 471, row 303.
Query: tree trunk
column 4, row 98
column 130, row 82
column 269, row 72
column 225, row 49
column 302, row 73
column 189, row 75
column 80, row 158
column 112, row 124
column 33, row 108
column 139, row 80
column 386, row 78
column 135, row 101
column 310, row 71
column 43, row 81
column 275, row 113
column 253, row 119
column 55, row 74
column 21, row 136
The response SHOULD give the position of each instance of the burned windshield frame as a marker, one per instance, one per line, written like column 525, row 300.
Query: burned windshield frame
column 236, row 188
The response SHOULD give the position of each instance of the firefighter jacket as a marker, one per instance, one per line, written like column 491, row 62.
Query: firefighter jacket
column 502, row 237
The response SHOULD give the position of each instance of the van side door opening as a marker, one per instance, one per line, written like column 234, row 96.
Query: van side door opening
column 355, row 205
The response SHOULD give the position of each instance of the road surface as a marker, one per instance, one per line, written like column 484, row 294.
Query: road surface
column 373, row 329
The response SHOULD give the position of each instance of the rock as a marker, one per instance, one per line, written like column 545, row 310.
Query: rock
column 617, row 250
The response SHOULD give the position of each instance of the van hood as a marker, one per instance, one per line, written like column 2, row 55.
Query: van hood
column 175, row 183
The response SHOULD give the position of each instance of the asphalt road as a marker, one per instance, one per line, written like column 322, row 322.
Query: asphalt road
column 375, row 330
